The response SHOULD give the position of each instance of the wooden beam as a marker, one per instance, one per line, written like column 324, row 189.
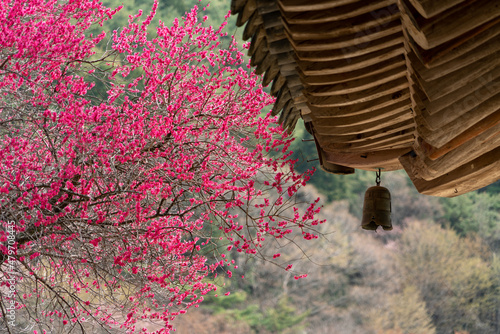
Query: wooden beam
column 463, row 127
column 429, row 169
column 245, row 13
column 368, row 138
column 385, row 143
column 390, row 125
column 275, row 33
column 484, row 86
column 357, row 84
column 264, row 64
column 430, row 8
column 271, row 73
column 371, row 94
column 358, row 26
column 350, row 64
column 237, row 6
column 439, row 119
column 282, row 99
column 260, row 53
column 370, row 160
column 346, row 41
column 361, row 49
column 286, row 111
column 437, row 72
column 458, row 79
column 462, row 135
column 429, row 33
column 377, row 115
column 272, row 20
column 473, row 175
column 258, row 40
column 299, row 11
column 280, row 46
column 299, row 5
column 325, row 109
column 456, row 47
column 254, row 23
column 330, row 79
column 278, row 84
column 267, row 6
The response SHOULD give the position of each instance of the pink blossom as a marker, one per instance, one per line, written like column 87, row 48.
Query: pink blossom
column 130, row 183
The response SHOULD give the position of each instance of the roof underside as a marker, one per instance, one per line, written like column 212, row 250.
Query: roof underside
column 411, row 84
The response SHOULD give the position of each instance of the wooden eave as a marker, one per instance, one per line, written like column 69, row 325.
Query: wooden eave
column 389, row 84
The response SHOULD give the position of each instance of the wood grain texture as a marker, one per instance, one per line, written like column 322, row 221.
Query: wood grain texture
column 391, row 84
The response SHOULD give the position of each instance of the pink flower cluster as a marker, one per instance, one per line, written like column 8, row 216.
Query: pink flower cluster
column 120, row 166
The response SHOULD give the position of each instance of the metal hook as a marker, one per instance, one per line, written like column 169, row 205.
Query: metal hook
column 377, row 177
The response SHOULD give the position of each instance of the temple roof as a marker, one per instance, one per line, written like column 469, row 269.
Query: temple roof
column 387, row 84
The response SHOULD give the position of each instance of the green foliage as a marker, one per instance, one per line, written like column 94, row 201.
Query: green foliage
column 282, row 318
column 167, row 11
column 334, row 187
column 220, row 304
column 475, row 213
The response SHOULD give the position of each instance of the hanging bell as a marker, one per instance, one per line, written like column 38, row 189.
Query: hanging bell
column 377, row 208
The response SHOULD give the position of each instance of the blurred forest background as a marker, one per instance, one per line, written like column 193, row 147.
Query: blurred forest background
column 438, row 271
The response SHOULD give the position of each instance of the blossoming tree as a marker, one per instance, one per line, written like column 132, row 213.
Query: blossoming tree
column 122, row 171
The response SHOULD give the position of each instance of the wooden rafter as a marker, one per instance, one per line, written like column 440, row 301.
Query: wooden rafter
column 391, row 84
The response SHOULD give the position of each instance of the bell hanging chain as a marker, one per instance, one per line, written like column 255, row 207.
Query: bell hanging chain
column 377, row 178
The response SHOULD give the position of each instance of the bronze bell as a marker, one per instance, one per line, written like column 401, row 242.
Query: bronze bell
column 377, row 208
